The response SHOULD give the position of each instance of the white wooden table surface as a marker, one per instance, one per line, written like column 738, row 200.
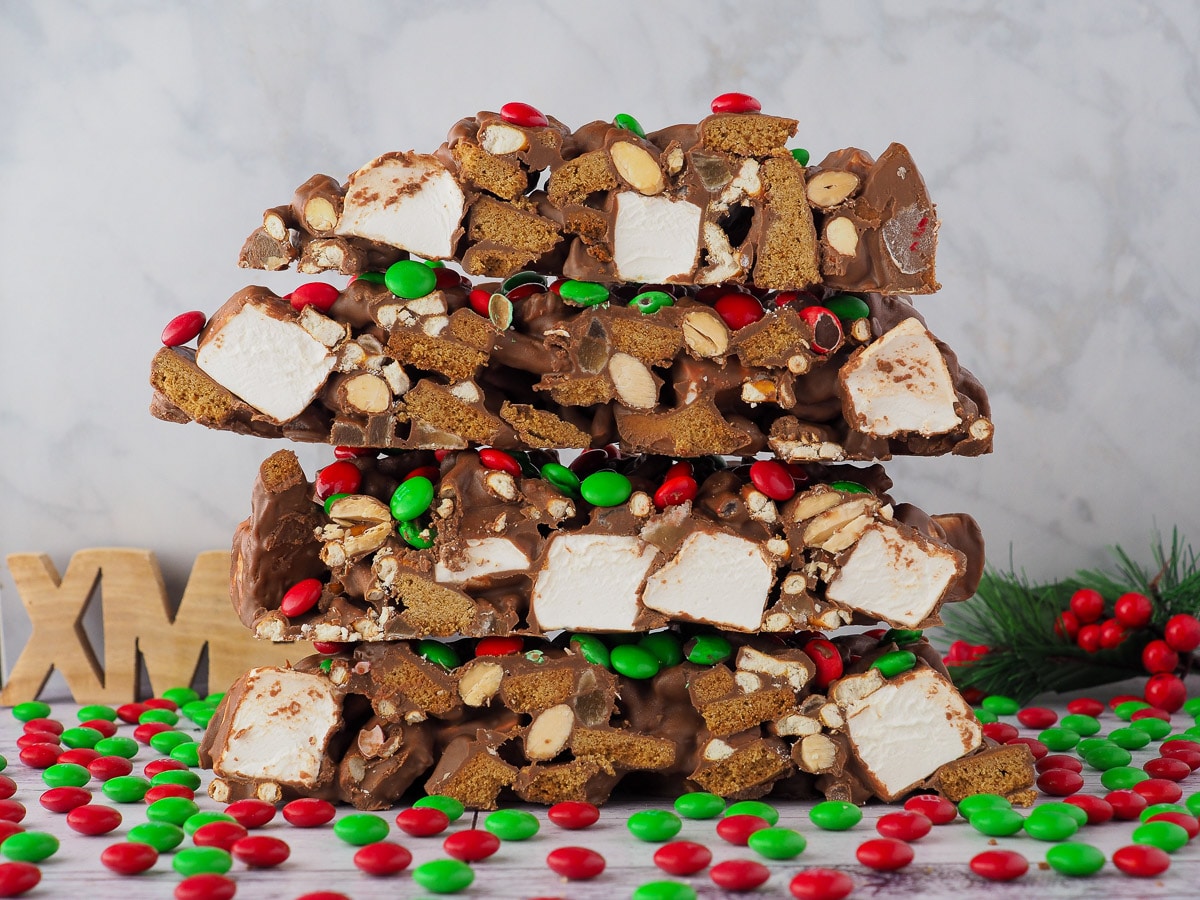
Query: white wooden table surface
column 319, row 860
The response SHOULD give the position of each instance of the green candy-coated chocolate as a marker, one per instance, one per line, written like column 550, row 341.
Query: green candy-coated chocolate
column 895, row 663
column 663, row 890
column 162, row 836
column 1128, row 708
column 29, row 846
column 1109, row 757
column 520, row 278
column 629, row 123
column 437, row 652
column 97, row 711
column 202, row 861
column 201, row 714
column 416, row 535
column 592, row 649
column 360, row 829
column 997, row 822
column 410, row 279
column 512, row 824
column 215, row 699
column 901, row 636
column 330, row 500
column 1084, row 726
column 1122, row 778
column 665, row 647
column 1000, row 705
column 117, row 745
column 194, row 823
column 835, row 815
column 1191, row 707
column 166, row 741
column 185, row 777
column 125, row 788
column 158, row 717
column 3, row 762
column 847, row 307
column 1075, row 859
column 451, row 807
column 1050, row 826
column 412, row 498
column 1129, row 738
column 1057, row 738
column 650, row 302
column 985, row 717
column 968, row 806
column 1193, row 804
column 1156, row 728
column 583, row 293
column 1155, row 808
column 1087, row 745
column 605, row 488
column 371, row 277
column 325, row 665
column 634, row 662
column 188, row 754
column 654, row 825
column 31, row 709
column 849, row 487
column 1066, row 809
column 175, row 810
column 800, row 155
column 699, row 805
column 708, row 649
column 561, row 478
column 1161, row 834
column 777, row 843
column 66, row 775
column 80, row 737
column 444, row 876
column 754, row 808
column 180, row 696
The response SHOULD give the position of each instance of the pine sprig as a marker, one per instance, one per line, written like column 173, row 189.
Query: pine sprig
column 1016, row 619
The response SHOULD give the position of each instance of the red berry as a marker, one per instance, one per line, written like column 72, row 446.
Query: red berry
column 1165, row 692
column 737, row 829
column 206, row 886
column 828, row 660
column 523, row 114
column 1126, row 804
column 93, row 819
column 1067, row 625
column 999, row 865
column 1058, row 761
column 821, row 884
column 906, row 825
column 301, row 597
column 1133, row 610
column 826, row 328
column 1157, row 656
column 309, row 812
column 772, row 479
column 1098, row 810
column 183, row 328
column 1190, row 824
column 1089, row 638
column 1037, row 717
column 1088, row 605
column 1112, row 634
column 1141, row 860
column 383, row 858
column 682, row 857
column 479, row 300
column 1085, row 706
column 315, row 293
column 219, row 834
column 1060, row 782
column 938, row 810
column 16, row 878
column 260, row 851
column 735, row 102
column 573, row 814
column 884, row 854
column 128, row 858
column 65, row 799
column 575, row 863
column 498, row 459
column 738, row 310
column 1182, row 633
column 1036, row 747
column 499, row 646
column 422, row 821
column 1158, row 790
column 739, row 874
column 341, row 477
column 471, row 845
column 251, row 813
column 1001, row 732
column 1167, row 767
column 674, row 490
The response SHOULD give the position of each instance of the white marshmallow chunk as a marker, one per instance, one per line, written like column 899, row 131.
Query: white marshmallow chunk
column 655, row 238
column 591, row 582
column 719, row 578
column 484, row 556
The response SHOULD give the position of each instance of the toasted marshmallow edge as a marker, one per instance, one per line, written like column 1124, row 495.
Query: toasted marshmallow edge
column 908, row 727
column 273, row 364
column 407, row 201
column 900, row 384
column 486, row 556
column 591, row 581
column 890, row 576
column 719, row 578
column 655, row 238
column 281, row 728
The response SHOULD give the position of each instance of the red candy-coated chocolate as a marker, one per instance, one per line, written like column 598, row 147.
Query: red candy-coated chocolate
column 498, row 459
column 16, row 878
column 1190, row 757
column 1098, row 811
column 521, row 291
column 383, row 858
column 1116, row 701
column 737, row 829
column 341, row 477
column 51, row 725
column 1088, row 605
column 1037, row 717
column 161, row 703
column 1150, row 712
column 827, row 659
column 430, row 472
column 219, row 834
column 158, row 766
column 1058, row 761
column 309, row 812
column 8, row 829
column 422, row 821
column 260, row 851
column 822, row 321
column 573, row 814
column 471, row 845
column 323, row 895
column 674, row 490
column 33, row 738
column 1036, row 747
column 575, row 863
column 772, row 479
column 739, row 874
column 938, row 810
column 1168, row 747
column 906, row 825
column 884, row 854
column 1182, row 633
column 499, row 646
column 8, row 787
column 516, row 113
column 1190, row 824
column 105, row 727
column 93, row 819
column 682, row 857
column 999, row 865
column 162, row 791
column 251, row 813
column 446, row 279
column 1158, row 790
column 206, row 886
column 1141, row 860
column 301, row 597
column 734, row 102
column 1167, row 767
column 328, row 648
column 315, row 293
column 64, row 799
column 144, row 732
column 1157, row 656
column 79, row 756
column 1133, row 610
column 12, row 810
column 1060, row 782
column 1166, row 692
column 1126, row 804
column 479, row 300
column 1001, row 732
column 821, row 884
column 1085, row 706
column 353, row 452
column 183, row 328
column 129, row 857
column 738, row 310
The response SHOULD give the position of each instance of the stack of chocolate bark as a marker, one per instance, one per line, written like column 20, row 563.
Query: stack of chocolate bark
column 594, row 517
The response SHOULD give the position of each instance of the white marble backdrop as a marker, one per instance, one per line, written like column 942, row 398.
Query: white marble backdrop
column 140, row 141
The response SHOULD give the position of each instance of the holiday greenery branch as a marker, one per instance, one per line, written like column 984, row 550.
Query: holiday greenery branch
column 1018, row 638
